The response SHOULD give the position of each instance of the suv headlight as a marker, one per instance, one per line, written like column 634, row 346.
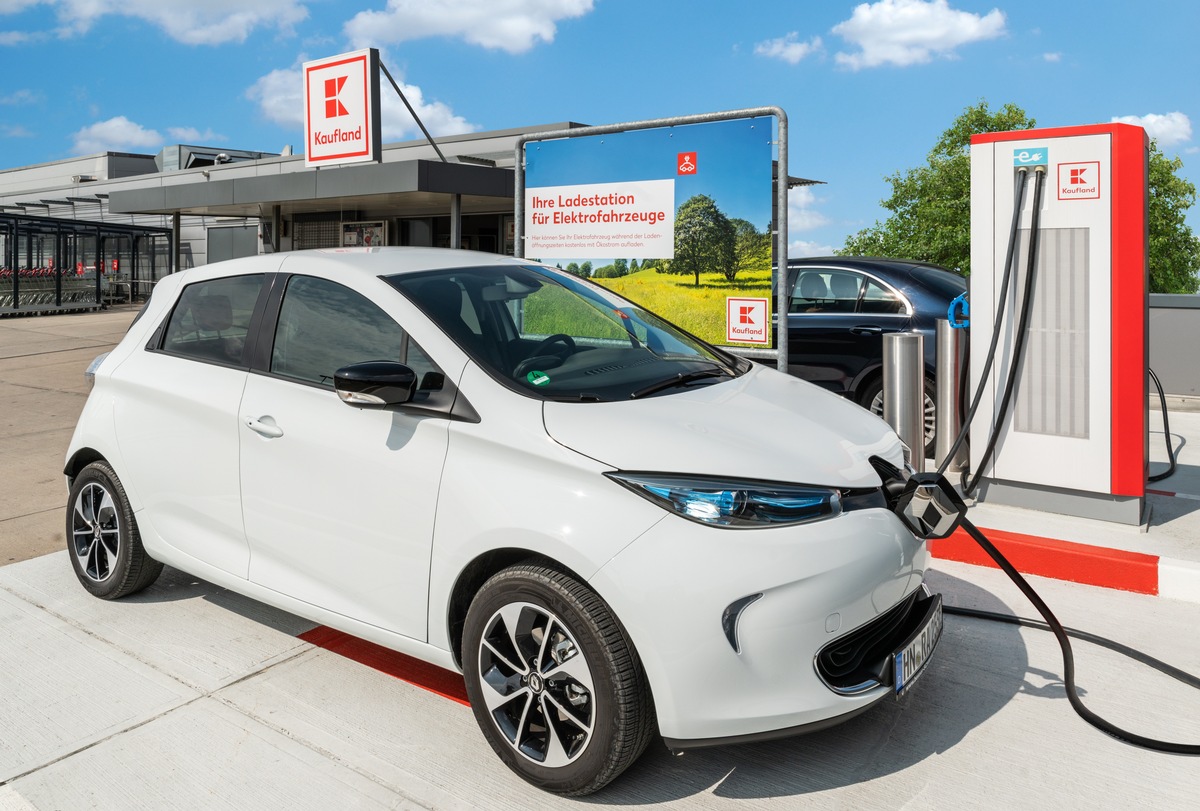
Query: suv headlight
column 734, row 503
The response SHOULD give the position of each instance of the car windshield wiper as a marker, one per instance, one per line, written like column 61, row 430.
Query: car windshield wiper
column 681, row 379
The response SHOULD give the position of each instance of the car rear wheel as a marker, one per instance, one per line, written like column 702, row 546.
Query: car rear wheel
column 553, row 680
column 102, row 536
column 872, row 400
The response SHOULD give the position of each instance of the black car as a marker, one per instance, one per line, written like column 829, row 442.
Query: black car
column 842, row 306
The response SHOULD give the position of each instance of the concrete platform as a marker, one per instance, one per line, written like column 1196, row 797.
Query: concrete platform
column 189, row 696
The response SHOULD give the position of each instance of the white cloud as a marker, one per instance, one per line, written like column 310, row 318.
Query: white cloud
column 788, row 48
column 279, row 95
column 15, row 131
column 191, row 135
column 910, row 32
column 800, row 248
column 15, row 37
column 195, row 22
column 509, row 25
column 1168, row 130
column 115, row 135
column 22, row 96
column 1052, row 57
column 802, row 212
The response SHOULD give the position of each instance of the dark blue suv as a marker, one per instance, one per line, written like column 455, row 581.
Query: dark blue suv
column 842, row 306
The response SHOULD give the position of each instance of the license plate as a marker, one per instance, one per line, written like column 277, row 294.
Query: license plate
column 914, row 654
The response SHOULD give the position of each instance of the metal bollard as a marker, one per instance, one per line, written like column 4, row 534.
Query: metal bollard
column 951, row 344
column 904, row 390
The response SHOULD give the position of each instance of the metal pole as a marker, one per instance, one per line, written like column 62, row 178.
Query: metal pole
column 904, row 391
column 950, row 350
column 781, row 247
column 456, row 221
column 412, row 112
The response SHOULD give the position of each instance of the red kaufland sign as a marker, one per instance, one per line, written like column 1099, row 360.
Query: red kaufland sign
column 341, row 108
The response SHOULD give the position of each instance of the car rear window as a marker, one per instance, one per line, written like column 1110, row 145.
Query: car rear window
column 211, row 319
column 945, row 282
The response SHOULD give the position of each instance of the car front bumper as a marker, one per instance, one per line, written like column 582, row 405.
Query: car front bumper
column 675, row 586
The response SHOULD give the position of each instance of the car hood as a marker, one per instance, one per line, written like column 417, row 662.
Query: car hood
column 762, row 425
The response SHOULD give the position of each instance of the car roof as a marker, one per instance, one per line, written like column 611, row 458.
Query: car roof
column 864, row 263
column 380, row 261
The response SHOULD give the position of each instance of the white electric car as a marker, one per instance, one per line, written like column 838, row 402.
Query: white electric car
column 612, row 529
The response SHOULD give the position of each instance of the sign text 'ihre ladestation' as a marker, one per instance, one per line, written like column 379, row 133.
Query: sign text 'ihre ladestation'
column 598, row 201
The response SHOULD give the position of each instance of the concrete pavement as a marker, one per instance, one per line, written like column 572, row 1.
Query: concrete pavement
column 42, row 391
column 190, row 696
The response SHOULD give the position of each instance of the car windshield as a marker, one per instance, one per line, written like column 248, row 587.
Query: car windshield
column 550, row 334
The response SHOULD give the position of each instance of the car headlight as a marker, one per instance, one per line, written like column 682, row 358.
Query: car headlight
column 734, row 503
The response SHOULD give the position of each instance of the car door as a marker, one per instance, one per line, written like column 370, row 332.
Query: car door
column 178, row 424
column 339, row 501
column 837, row 318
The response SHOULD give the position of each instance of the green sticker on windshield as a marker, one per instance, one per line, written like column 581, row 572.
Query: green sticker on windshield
column 538, row 378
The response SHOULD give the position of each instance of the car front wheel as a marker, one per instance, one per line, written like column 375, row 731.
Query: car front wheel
column 554, row 681
column 102, row 536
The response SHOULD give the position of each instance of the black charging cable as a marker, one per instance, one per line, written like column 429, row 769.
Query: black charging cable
column 1019, row 199
column 1064, row 643
column 1162, row 399
column 1018, row 352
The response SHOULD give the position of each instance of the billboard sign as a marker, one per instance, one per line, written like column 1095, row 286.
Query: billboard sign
column 676, row 218
column 341, row 109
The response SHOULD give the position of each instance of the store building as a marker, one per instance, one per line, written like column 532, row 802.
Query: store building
column 109, row 225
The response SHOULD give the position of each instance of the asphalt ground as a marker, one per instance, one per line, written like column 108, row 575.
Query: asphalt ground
column 190, row 696
column 42, row 391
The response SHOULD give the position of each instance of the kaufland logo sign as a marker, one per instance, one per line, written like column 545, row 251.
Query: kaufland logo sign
column 746, row 320
column 341, row 108
column 1079, row 181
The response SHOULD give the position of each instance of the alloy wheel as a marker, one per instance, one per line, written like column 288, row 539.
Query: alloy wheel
column 95, row 532
column 537, row 684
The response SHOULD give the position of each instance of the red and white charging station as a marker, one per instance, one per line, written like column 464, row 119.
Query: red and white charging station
column 1075, row 439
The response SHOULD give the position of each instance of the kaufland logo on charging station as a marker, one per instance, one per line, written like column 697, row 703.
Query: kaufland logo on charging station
column 1079, row 181
column 341, row 108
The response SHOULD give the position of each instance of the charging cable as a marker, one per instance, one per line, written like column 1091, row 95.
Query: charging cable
column 931, row 508
column 1068, row 654
column 1018, row 201
column 1162, row 399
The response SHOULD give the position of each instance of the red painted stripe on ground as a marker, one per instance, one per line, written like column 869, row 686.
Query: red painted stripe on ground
column 1062, row 560
column 1188, row 496
column 420, row 674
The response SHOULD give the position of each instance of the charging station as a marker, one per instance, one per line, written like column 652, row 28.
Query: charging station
column 1074, row 438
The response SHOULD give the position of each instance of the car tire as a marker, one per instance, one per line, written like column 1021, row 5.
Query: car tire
column 871, row 398
column 102, row 536
column 555, row 683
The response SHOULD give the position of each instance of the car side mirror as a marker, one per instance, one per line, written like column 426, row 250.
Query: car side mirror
column 375, row 384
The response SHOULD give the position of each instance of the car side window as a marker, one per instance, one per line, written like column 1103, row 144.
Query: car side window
column 324, row 326
column 826, row 291
column 212, row 318
column 879, row 299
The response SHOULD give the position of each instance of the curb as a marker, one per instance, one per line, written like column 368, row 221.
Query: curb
column 1078, row 563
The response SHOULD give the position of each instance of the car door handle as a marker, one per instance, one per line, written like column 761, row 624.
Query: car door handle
column 866, row 330
column 264, row 426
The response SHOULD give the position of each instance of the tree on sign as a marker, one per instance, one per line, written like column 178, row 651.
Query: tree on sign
column 705, row 240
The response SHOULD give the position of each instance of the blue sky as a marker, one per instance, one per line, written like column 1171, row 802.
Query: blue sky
column 868, row 88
